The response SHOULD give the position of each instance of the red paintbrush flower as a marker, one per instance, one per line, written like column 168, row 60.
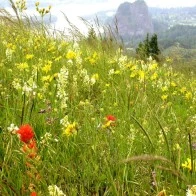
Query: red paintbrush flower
column 26, row 133
column 33, row 194
column 111, row 118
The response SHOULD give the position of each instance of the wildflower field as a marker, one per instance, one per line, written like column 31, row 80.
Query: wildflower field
column 78, row 116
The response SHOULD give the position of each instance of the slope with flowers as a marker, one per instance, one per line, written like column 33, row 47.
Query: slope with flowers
column 91, row 120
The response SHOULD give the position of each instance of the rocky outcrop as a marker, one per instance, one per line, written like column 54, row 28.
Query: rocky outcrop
column 133, row 20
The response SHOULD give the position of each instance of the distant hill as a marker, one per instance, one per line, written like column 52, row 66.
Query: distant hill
column 133, row 20
column 185, row 35
column 183, row 59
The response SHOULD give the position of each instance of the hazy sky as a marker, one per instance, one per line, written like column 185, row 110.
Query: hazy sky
column 74, row 8
column 164, row 3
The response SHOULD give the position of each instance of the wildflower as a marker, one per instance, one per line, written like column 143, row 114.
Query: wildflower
column 94, row 78
column 55, row 191
column 29, row 56
column 47, row 67
column 188, row 95
column 71, row 129
column 12, row 128
column 154, row 76
column 30, row 149
column 33, row 194
column 141, row 75
column 111, row 118
column 191, row 191
column 164, row 97
column 110, row 121
column 26, row 133
column 71, row 55
column 187, row 164
column 22, row 66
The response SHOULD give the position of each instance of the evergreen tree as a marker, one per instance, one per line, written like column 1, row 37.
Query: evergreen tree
column 149, row 47
column 153, row 46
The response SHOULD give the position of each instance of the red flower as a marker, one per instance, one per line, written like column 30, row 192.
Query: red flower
column 33, row 194
column 26, row 133
column 32, row 144
column 111, row 118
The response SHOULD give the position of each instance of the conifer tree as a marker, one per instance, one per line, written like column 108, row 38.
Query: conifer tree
column 153, row 46
column 149, row 47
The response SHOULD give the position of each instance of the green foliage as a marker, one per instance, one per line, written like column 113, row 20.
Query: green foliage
column 185, row 35
column 149, row 47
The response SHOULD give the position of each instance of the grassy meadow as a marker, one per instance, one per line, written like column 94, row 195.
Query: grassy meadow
column 80, row 117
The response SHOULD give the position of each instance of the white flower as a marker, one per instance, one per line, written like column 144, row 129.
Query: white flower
column 12, row 128
column 111, row 72
column 55, row 191
column 191, row 191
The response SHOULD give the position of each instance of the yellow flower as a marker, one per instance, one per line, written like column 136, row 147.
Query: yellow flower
column 95, row 76
column 47, row 67
column 153, row 66
column 58, row 58
column 141, row 75
column 188, row 95
column 154, row 76
column 187, row 164
column 164, row 97
column 107, row 124
column 71, row 129
column 71, row 54
column 133, row 74
column 183, row 90
column 173, row 84
column 45, row 78
column 117, row 72
column 29, row 56
column 22, row 66
column 164, row 88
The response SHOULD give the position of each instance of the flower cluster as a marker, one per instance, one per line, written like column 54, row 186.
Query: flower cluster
column 55, row 191
column 187, row 164
column 109, row 122
column 71, row 129
column 26, row 135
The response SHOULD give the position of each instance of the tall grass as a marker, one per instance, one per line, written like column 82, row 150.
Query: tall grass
column 104, row 123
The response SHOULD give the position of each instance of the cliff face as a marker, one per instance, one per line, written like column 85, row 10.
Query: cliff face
column 133, row 19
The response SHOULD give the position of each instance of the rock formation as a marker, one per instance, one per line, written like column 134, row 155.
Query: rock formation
column 133, row 20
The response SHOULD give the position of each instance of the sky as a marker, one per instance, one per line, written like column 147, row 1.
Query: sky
column 75, row 8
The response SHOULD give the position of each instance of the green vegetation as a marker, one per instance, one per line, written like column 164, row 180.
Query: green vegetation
column 185, row 35
column 79, row 117
column 148, row 48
